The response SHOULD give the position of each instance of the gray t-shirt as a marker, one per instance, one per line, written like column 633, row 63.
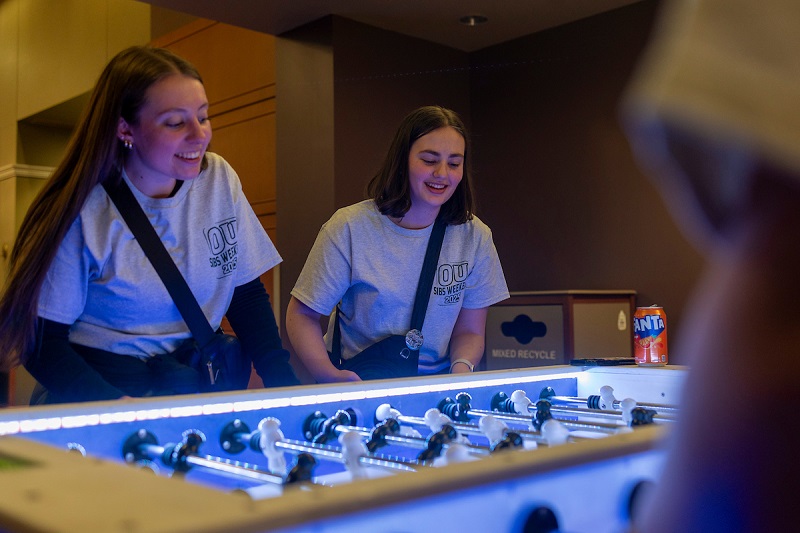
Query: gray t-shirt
column 372, row 266
column 102, row 283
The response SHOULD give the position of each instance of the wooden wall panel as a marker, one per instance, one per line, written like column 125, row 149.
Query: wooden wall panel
column 246, row 138
column 233, row 61
column 9, row 54
column 574, row 210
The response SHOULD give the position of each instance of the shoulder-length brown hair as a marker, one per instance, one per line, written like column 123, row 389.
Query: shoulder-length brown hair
column 390, row 188
column 94, row 155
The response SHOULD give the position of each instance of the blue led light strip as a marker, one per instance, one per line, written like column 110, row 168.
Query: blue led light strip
column 31, row 425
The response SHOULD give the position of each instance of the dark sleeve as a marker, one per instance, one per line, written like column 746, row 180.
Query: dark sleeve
column 62, row 371
column 251, row 317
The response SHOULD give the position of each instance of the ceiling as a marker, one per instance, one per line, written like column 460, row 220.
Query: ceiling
column 432, row 20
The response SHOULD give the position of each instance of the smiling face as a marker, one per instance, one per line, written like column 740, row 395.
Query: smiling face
column 435, row 168
column 170, row 136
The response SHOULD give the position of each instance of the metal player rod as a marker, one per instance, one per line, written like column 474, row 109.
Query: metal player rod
column 238, row 432
column 663, row 410
column 319, row 428
column 471, row 429
column 154, row 452
column 504, row 409
column 629, row 414
column 607, row 396
column 372, row 459
column 603, row 413
column 331, row 453
column 595, row 413
column 184, row 456
column 591, row 413
column 597, row 427
column 218, row 464
column 419, row 443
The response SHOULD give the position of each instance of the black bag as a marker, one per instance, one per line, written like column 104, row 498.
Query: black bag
column 169, row 375
column 219, row 364
column 386, row 359
column 187, row 370
column 216, row 357
column 392, row 357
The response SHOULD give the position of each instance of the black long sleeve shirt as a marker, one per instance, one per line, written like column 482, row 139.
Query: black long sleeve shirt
column 63, row 371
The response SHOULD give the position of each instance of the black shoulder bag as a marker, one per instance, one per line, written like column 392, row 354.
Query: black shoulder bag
column 397, row 355
column 209, row 361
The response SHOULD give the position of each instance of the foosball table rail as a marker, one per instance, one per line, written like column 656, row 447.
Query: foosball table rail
column 215, row 447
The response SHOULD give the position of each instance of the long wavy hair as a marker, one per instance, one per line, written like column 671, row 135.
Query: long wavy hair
column 94, row 155
column 390, row 187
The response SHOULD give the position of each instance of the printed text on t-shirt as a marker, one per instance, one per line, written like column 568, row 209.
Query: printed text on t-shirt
column 451, row 282
column 222, row 245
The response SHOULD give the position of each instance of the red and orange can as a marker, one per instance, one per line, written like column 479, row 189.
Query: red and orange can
column 650, row 336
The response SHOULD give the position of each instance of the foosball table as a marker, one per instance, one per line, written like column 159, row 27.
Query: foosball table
column 558, row 448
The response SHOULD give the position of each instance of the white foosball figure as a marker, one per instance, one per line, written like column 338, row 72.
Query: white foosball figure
column 457, row 453
column 386, row 411
column 626, row 406
column 521, row 402
column 353, row 448
column 493, row 428
column 435, row 420
column 554, row 432
column 270, row 430
column 607, row 399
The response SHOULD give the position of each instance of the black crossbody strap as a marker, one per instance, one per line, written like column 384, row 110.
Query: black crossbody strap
column 426, row 275
column 162, row 262
column 424, row 286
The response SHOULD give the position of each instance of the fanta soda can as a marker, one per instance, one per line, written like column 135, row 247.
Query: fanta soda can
column 650, row 336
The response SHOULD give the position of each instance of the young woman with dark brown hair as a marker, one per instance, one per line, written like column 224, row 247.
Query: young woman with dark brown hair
column 367, row 259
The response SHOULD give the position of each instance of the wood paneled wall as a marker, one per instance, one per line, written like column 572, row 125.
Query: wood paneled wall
column 556, row 180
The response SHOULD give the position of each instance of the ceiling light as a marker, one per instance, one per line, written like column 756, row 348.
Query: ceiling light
column 473, row 20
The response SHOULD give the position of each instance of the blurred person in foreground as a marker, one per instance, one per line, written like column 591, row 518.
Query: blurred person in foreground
column 714, row 118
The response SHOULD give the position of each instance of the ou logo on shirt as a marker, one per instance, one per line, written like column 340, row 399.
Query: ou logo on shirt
column 221, row 236
column 449, row 274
